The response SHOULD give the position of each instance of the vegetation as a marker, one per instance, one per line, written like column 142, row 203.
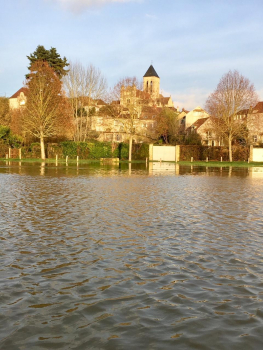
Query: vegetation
column 130, row 107
column 8, row 138
column 233, row 95
column 83, row 85
column 53, row 59
column 46, row 111
column 4, row 111
column 167, row 126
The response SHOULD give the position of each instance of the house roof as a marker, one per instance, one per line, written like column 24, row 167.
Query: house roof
column 163, row 100
column 100, row 102
column 23, row 89
column 142, row 94
column 198, row 123
column 198, row 109
column 151, row 72
column 258, row 108
column 243, row 112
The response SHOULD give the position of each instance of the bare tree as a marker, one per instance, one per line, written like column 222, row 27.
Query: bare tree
column 233, row 94
column 45, row 113
column 127, row 102
column 83, row 85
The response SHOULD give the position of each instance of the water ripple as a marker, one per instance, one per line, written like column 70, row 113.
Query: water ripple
column 111, row 259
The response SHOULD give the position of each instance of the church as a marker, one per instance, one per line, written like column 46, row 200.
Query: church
column 149, row 95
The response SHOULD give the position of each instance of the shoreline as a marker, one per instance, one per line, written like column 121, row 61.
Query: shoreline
column 219, row 164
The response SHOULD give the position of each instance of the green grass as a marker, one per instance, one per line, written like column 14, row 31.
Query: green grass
column 186, row 163
column 63, row 161
column 222, row 164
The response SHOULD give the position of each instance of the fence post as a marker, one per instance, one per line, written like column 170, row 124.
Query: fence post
column 207, row 159
column 151, row 152
column 192, row 159
column 177, row 153
column 20, row 153
column 9, row 152
column 251, row 153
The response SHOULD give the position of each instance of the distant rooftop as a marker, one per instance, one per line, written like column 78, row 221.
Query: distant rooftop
column 151, row 72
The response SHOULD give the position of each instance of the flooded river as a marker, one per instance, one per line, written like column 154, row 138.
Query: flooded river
column 115, row 258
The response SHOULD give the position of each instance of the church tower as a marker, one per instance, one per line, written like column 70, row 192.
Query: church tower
column 151, row 82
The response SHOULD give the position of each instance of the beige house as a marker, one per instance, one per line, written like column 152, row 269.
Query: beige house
column 204, row 128
column 18, row 99
column 119, row 129
column 191, row 117
column 255, row 124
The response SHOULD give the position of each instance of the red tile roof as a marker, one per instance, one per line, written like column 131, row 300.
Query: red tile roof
column 258, row 108
column 23, row 89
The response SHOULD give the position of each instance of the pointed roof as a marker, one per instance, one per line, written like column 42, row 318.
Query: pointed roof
column 16, row 94
column 151, row 72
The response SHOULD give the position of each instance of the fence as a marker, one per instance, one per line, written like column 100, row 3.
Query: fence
column 197, row 153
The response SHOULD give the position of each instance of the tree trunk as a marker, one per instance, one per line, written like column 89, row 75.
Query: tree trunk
column 42, row 147
column 230, row 148
column 130, row 148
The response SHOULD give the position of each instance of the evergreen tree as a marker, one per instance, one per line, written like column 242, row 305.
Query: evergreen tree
column 51, row 57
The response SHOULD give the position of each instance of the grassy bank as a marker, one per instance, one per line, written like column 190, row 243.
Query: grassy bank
column 63, row 161
column 183, row 163
column 222, row 164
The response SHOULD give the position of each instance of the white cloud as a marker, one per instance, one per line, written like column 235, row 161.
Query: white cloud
column 77, row 5
column 190, row 99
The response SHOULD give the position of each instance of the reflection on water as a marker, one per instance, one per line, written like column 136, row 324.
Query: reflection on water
column 256, row 172
column 123, row 257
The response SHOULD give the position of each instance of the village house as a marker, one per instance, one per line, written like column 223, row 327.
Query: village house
column 18, row 99
column 204, row 128
column 186, row 119
column 255, row 124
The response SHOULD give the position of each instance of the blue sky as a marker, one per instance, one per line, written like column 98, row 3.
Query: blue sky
column 191, row 43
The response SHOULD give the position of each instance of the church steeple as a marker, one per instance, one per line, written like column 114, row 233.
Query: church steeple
column 151, row 72
column 151, row 82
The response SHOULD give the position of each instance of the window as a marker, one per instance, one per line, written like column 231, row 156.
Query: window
column 255, row 138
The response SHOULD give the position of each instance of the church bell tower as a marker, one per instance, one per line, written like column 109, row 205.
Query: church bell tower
column 151, row 82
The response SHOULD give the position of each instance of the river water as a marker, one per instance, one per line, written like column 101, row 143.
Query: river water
column 115, row 258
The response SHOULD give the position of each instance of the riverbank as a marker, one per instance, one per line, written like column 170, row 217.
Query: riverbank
column 222, row 164
column 186, row 163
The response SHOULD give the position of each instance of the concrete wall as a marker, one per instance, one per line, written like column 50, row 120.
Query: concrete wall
column 164, row 153
column 257, row 155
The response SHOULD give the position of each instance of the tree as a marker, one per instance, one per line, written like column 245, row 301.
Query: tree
column 131, row 105
column 51, row 57
column 83, row 86
column 46, row 110
column 4, row 111
column 167, row 125
column 233, row 94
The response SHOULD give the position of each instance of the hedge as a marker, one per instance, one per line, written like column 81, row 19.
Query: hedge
column 239, row 153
